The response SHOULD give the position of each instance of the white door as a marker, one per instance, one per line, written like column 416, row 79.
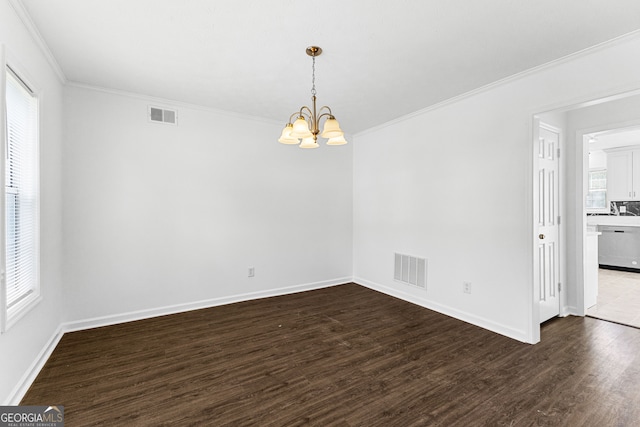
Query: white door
column 546, row 214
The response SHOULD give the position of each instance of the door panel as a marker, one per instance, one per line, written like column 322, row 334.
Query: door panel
column 547, row 222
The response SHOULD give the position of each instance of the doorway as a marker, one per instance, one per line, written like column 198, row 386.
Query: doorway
column 577, row 122
column 613, row 213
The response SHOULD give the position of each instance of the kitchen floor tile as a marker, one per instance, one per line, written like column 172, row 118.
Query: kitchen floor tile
column 618, row 297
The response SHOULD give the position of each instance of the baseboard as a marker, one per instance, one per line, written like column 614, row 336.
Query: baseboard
column 97, row 322
column 490, row 325
column 619, row 268
column 567, row 310
column 32, row 372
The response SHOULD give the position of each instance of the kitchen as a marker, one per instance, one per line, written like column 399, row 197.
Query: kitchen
column 612, row 290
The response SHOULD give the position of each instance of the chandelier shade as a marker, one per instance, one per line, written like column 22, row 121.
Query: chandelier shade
column 338, row 140
column 331, row 129
column 306, row 128
column 286, row 138
column 309, row 143
column 301, row 129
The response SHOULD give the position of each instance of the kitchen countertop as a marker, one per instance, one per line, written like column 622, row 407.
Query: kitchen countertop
column 632, row 221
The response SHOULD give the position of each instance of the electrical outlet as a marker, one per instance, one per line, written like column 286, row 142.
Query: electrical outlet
column 252, row 272
column 466, row 287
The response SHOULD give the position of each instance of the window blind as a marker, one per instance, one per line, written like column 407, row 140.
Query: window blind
column 21, row 192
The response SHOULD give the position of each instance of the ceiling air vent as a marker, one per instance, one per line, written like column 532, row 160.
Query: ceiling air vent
column 410, row 270
column 163, row 115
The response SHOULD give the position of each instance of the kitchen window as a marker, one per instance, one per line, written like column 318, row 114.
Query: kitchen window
column 20, row 260
column 597, row 195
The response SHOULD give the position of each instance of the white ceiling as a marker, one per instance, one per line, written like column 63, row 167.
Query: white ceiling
column 382, row 59
column 615, row 138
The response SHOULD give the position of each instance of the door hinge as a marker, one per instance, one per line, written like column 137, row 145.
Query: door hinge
column 558, row 153
column 558, row 219
column 559, row 287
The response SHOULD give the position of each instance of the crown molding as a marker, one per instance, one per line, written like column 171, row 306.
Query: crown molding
column 28, row 23
column 514, row 77
column 165, row 102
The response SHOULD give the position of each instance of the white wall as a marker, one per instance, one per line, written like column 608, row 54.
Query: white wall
column 454, row 184
column 21, row 345
column 157, row 216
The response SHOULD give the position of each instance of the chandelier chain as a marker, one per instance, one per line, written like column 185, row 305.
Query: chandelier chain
column 313, row 77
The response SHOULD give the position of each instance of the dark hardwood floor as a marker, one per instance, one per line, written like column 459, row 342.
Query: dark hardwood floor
column 341, row 356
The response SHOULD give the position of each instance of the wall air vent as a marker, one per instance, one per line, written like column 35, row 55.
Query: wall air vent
column 410, row 270
column 163, row 115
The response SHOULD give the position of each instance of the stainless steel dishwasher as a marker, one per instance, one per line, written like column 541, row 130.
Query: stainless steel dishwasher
column 619, row 247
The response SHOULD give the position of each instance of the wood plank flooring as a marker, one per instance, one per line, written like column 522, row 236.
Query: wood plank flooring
column 341, row 356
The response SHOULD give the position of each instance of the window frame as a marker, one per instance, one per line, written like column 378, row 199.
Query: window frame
column 10, row 316
column 605, row 209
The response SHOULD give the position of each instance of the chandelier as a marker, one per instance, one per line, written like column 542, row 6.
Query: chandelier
column 305, row 129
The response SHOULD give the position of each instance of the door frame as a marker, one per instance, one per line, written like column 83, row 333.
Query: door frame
column 577, row 222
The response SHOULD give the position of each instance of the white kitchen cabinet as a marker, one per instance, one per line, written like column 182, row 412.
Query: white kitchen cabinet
column 623, row 175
